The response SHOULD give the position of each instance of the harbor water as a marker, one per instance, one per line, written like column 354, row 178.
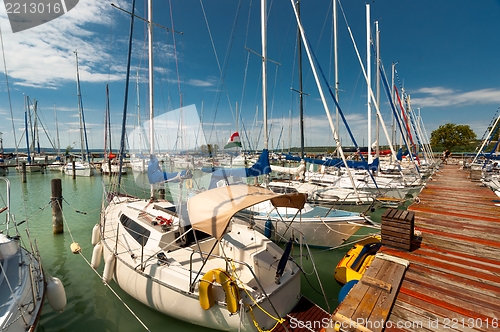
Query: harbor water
column 94, row 306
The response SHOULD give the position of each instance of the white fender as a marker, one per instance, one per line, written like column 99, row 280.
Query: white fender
column 56, row 295
column 96, row 234
column 96, row 256
column 109, row 268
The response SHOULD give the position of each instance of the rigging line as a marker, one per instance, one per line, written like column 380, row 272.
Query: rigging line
column 175, row 54
column 116, row 294
column 8, row 89
column 248, row 56
column 110, row 45
column 223, row 70
column 127, row 77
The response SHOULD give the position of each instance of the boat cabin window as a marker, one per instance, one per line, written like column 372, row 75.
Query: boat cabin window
column 283, row 190
column 139, row 233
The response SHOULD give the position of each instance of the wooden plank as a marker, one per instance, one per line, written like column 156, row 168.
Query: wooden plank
column 451, row 300
column 459, row 290
column 307, row 312
column 385, row 302
column 376, row 283
column 420, row 319
column 396, row 223
column 353, row 299
column 463, row 271
column 448, row 317
column 376, row 302
column 388, row 238
column 396, row 244
column 387, row 232
column 399, row 230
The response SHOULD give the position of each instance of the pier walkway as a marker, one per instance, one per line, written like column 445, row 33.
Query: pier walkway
column 452, row 282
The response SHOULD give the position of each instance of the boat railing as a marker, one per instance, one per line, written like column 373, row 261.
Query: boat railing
column 227, row 260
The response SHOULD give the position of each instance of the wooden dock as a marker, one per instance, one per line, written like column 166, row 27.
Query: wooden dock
column 453, row 279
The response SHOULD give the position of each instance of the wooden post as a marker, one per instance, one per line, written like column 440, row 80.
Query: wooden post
column 23, row 172
column 73, row 167
column 56, row 199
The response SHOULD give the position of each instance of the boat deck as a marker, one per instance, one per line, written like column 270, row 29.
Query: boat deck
column 452, row 282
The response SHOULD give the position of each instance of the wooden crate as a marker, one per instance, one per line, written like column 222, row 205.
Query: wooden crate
column 476, row 175
column 397, row 228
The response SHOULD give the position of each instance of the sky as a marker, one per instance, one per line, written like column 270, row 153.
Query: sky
column 208, row 54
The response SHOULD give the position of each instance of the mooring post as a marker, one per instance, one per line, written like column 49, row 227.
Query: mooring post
column 73, row 167
column 56, row 199
column 23, row 172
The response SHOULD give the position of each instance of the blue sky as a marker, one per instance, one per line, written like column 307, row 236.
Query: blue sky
column 446, row 53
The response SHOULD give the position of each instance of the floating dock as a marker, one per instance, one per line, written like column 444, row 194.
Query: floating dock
column 452, row 281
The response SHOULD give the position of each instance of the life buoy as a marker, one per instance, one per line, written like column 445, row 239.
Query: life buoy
column 189, row 184
column 228, row 284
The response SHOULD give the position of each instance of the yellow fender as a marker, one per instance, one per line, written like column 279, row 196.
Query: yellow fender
column 228, row 284
column 189, row 183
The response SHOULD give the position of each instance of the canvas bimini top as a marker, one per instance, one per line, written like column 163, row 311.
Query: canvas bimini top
column 211, row 211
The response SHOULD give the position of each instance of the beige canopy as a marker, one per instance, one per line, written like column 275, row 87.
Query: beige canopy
column 211, row 211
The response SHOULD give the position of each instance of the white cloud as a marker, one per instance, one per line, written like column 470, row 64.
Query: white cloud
column 201, row 83
column 44, row 55
column 444, row 97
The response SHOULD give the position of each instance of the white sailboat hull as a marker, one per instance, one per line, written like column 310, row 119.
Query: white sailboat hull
column 165, row 286
column 81, row 169
column 115, row 169
column 20, row 308
column 317, row 226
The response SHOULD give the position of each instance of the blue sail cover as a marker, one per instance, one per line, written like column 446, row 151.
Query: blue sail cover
column 261, row 167
column 337, row 162
column 156, row 175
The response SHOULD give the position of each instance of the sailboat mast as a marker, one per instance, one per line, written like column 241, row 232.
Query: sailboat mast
column 106, row 126
column 108, row 119
column 57, row 132
column 263, row 17
column 36, row 137
column 377, row 131
column 301, row 99
column 368, row 80
column 26, row 128
column 150, row 72
column 336, row 63
column 83, row 131
column 127, row 78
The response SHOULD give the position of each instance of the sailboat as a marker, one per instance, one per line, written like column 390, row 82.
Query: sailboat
column 3, row 168
column 109, row 164
column 81, row 167
column 31, row 166
column 226, row 276
column 23, row 284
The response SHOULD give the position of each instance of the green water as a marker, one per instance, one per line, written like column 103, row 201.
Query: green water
column 92, row 306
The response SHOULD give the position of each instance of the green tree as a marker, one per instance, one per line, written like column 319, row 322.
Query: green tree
column 451, row 135
column 69, row 148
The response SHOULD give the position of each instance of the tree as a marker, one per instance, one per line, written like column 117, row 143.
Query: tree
column 452, row 135
column 69, row 148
